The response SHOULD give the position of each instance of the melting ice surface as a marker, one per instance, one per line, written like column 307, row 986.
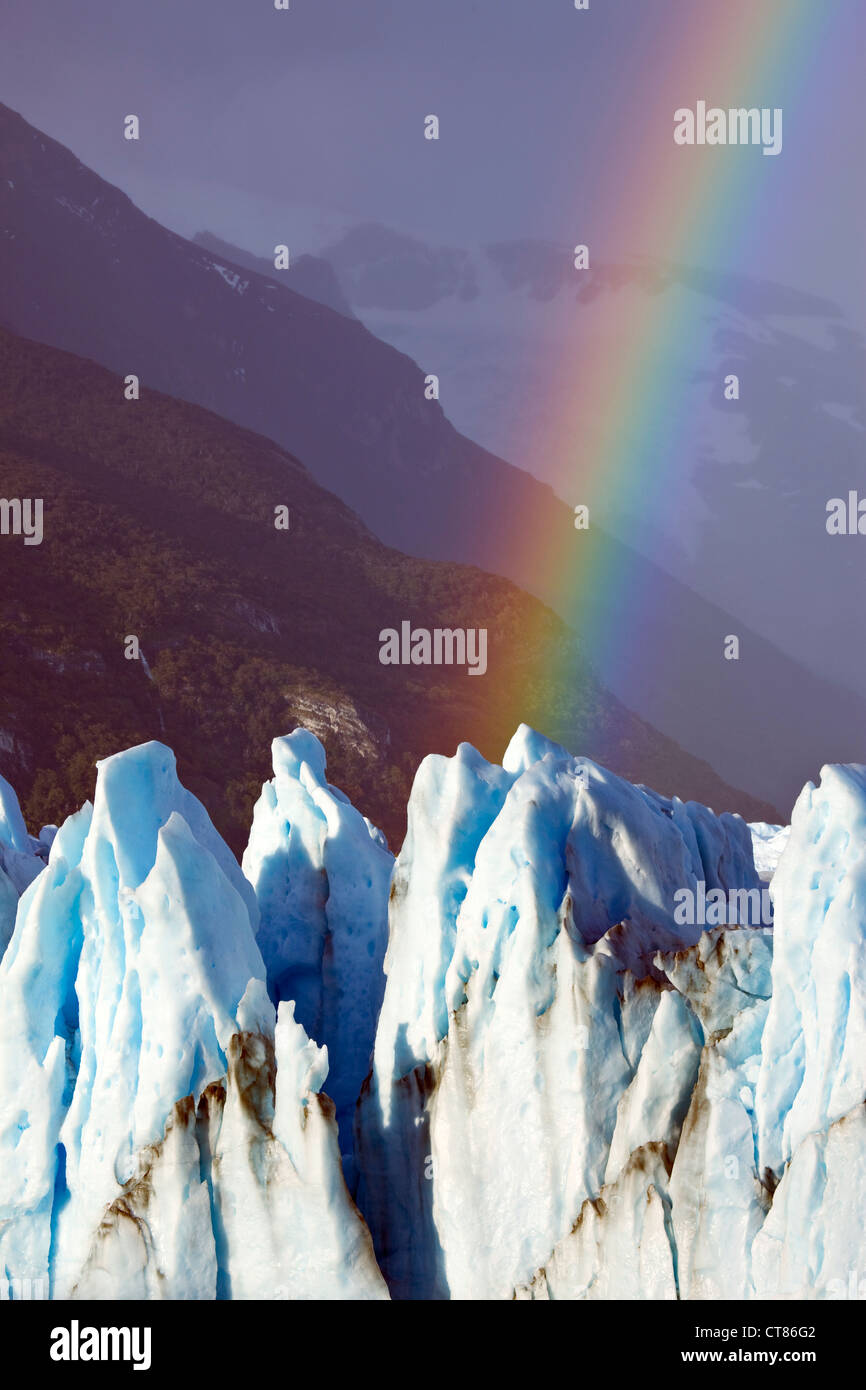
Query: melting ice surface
column 557, row 1090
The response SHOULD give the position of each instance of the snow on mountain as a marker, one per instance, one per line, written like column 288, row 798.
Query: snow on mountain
column 161, row 1136
column 528, row 1046
column 508, row 329
column 321, row 873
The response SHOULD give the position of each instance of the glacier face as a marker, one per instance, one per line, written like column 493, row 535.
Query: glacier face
column 21, row 858
column 768, row 846
column 165, row 1134
column 565, row 1087
column 814, row 1043
column 321, row 874
column 575, row 1096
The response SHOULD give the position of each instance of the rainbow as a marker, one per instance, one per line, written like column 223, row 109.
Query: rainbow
column 624, row 411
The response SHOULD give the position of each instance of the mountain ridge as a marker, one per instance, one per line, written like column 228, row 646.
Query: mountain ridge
column 246, row 631
column 93, row 275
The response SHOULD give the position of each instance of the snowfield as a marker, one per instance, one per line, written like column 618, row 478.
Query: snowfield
column 542, row 1083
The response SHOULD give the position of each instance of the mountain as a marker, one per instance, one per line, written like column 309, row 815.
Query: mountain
column 82, row 269
column 739, row 488
column 311, row 276
column 163, row 602
column 384, row 269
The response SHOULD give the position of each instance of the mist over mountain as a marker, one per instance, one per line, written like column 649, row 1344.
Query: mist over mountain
column 385, row 269
column 84, row 270
column 739, row 487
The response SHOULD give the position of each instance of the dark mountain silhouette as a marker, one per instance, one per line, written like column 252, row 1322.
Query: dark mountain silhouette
column 159, row 525
column 83, row 269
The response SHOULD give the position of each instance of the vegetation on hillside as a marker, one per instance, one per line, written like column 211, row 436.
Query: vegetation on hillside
column 159, row 524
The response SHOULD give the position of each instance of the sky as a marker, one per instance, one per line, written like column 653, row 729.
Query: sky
column 267, row 126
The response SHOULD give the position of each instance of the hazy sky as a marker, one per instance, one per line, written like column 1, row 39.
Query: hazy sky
column 267, row 126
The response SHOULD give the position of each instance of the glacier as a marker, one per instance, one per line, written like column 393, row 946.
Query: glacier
column 573, row 1096
column 322, row 874
column 22, row 857
column 499, row 1066
column 768, row 846
column 163, row 1129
